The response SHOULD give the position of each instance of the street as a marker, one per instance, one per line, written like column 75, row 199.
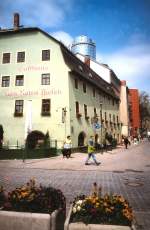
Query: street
column 121, row 171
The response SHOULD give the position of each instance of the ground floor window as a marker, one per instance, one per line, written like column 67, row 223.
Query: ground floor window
column 18, row 108
column 46, row 107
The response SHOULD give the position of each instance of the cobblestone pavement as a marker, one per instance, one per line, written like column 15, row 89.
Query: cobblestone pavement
column 132, row 182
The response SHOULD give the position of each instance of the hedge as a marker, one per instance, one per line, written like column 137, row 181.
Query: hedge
column 27, row 154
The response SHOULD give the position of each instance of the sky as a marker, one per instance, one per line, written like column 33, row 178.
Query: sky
column 120, row 29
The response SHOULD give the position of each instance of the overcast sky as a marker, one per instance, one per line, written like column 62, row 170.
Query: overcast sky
column 120, row 29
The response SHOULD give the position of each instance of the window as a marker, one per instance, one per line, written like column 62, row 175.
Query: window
column 101, row 115
column 20, row 56
column 117, row 119
column 113, row 103
column 77, row 107
column 113, row 118
column 93, row 92
column 6, row 58
column 18, row 108
column 95, row 114
column 45, row 55
column 19, row 80
column 5, row 81
column 90, row 75
column 76, row 83
column 105, row 116
column 46, row 107
column 110, row 117
column 45, row 79
column 85, row 110
column 80, row 68
column 84, row 87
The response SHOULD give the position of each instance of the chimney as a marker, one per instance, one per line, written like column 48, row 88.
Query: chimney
column 16, row 21
column 87, row 61
column 123, row 83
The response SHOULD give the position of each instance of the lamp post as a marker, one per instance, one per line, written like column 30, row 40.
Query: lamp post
column 28, row 125
column 101, row 117
column 64, row 111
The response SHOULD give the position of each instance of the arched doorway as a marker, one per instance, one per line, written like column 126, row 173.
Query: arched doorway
column 81, row 138
column 35, row 138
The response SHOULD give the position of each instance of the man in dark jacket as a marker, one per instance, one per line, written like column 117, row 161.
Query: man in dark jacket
column 126, row 142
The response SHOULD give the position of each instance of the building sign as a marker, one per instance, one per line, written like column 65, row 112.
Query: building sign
column 38, row 92
column 96, row 126
column 33, row 68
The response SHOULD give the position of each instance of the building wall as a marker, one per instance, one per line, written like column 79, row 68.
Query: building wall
column 124, row 116
column 61, row 91
column 100, row 101
column 135, row 113
column 33, row 43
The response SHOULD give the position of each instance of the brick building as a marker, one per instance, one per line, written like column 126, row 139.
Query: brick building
column 134, row 113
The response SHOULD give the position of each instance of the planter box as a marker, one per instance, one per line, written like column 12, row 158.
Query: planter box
column 82, row 226
column 31, row 221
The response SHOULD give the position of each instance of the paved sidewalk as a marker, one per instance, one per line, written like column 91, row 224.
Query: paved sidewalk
column 122, row 171
column 119, row 159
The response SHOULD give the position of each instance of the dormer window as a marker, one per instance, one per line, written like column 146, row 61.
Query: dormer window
column 80, row 68
column 90, row 75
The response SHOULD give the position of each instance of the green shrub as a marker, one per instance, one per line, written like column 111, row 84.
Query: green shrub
column 2, row 196
column 114, row 142
column 109, row 137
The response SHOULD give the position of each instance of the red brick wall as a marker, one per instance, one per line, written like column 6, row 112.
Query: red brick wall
column 135, row 113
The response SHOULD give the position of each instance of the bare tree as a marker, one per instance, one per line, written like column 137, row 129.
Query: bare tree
column 145, row 111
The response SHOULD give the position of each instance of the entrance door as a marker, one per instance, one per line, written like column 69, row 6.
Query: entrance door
column 81, row 138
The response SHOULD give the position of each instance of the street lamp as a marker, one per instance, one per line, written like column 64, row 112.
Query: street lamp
column 64, row 111
column 28, row 126
column 101, row 107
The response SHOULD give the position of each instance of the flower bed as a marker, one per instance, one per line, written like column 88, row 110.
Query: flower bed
column 100, row 212
column 33, row 204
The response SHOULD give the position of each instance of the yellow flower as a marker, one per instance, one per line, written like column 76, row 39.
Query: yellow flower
column 97, row 205
column 105, row 204
column 24, row 194
column 78, row 208
column 108, row 210
column 23, row 188
column 74, row 210
column 93, row 200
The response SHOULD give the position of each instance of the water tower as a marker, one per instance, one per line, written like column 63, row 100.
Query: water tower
column 85, row 46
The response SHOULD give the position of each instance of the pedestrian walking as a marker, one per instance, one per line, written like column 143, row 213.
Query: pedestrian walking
column 126, row 142
column 91, row 152
column 67, row 147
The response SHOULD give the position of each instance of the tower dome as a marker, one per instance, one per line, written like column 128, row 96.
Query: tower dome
column 85, row 46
